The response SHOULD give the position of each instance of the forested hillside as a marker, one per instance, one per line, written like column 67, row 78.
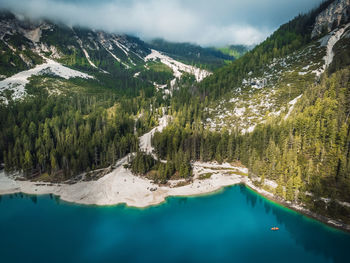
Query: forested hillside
column 307, row 154
column 287, row 39
column 55, row 137
column 235, row 51
column 306, row 150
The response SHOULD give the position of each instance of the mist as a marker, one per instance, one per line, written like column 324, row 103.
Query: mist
column 207, row 23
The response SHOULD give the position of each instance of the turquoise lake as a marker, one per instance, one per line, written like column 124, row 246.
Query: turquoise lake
column 230, row 226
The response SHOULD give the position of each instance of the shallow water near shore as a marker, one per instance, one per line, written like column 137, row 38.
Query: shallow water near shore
column 229, row 226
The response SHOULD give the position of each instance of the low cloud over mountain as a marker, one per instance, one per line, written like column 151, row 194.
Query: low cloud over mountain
column 201, row 21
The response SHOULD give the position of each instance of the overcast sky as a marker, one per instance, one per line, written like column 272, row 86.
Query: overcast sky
column 205, row 22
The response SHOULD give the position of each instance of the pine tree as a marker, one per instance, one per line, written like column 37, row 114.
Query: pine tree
column 28, row 162
column 297, row 182
column 290, row 190
column 279, row 189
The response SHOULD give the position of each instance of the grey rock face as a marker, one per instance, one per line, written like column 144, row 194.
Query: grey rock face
column 336, row 13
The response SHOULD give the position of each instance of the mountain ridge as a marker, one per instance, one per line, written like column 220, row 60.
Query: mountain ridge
column 107, row 56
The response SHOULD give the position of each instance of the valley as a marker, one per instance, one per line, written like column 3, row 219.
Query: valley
column 102, row 118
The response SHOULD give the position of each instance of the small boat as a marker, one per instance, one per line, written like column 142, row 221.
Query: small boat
column 275, row 228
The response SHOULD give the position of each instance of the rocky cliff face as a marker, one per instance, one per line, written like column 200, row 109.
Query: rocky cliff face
column 334, row 15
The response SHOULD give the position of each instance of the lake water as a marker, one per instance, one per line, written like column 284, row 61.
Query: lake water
column 230, row 226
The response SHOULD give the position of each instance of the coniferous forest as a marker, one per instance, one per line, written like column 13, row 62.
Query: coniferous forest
column 62, row 136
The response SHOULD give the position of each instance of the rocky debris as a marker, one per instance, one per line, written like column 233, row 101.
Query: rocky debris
column 90, row 176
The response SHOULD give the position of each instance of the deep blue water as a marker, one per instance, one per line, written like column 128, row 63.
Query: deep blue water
column 230, row 226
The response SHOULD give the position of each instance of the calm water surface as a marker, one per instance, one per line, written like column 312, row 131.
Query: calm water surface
column 230, row 226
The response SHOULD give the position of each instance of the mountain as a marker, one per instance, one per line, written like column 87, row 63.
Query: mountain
column 44, row 49
column 83, row 95
column 268, row 80
column 188, row 53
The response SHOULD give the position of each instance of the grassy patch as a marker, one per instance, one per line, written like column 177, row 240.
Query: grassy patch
column 159, row 67
column 205, row 176
column 157, row 72
column 237, row 172
column 111, row 112
column 183, row 183
column 44, row 177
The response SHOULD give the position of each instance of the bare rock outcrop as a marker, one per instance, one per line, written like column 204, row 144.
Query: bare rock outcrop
column 335, row 14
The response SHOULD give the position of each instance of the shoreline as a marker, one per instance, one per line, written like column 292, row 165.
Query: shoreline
column 120, row 186
column 299, row 209
column 138, row 192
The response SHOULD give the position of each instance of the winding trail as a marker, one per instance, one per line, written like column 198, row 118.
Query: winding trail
column 146, row 139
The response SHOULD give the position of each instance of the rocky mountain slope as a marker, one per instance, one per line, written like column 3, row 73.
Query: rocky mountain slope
column 105, row 57
column 271, row 89
column 337, row 13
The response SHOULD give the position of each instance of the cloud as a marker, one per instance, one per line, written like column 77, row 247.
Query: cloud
column 233, row 34
column 203, row 22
